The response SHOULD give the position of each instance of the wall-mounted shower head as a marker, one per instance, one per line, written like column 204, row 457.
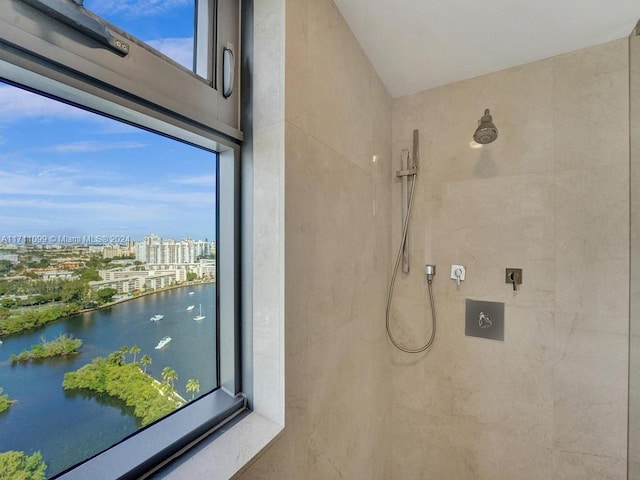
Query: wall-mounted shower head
column 486, row 131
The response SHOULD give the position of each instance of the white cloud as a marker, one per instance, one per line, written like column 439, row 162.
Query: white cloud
column 32, row 187
column 134, row 8
column 88, row 146
column 17, row 104
column 55, row 170
column 201, row 180
column 177, row 49
column 37, row 183
column 149, row 195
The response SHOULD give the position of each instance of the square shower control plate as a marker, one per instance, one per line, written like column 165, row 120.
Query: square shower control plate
column 484, row 319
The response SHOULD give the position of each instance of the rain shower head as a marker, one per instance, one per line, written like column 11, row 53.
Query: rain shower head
column 486, row 131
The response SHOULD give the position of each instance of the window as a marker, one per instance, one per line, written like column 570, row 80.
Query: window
column 119, row 183
column 165, row 26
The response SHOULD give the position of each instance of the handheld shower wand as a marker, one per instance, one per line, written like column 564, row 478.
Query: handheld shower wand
column 403, row 250
column 404, row 173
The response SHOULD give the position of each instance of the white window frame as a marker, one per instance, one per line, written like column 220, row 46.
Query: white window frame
column 144, row 88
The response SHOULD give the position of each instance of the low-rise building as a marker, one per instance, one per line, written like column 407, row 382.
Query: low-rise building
column 58, row 275
column 128, row 279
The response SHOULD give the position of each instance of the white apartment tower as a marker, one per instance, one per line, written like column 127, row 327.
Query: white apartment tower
column 156, row 250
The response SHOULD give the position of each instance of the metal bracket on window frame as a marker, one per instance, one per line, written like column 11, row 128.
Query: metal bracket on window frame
column 74, row 15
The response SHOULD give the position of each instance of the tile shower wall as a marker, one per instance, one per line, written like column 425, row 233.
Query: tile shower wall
column 550, row 196
column 337, row 252
column 634, row 314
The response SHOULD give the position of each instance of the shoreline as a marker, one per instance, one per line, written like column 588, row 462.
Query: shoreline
column 110, row 304
column 133, row 297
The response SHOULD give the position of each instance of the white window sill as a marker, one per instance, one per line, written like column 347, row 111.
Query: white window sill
column 224, row 456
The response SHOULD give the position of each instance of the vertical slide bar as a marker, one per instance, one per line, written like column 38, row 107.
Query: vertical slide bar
column 416, row 151
column 404, row 165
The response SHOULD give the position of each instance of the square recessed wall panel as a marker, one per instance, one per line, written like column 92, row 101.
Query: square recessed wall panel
column 484, row 320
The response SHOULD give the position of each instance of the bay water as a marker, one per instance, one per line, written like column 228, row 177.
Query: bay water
column 67, row 427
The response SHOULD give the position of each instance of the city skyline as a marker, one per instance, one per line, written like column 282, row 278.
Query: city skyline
column 69, row 172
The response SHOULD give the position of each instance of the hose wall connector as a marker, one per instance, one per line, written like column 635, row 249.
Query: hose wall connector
column 430, row 271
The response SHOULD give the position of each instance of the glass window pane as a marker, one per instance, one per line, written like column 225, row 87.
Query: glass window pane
column 167, row 26
column 107, row 237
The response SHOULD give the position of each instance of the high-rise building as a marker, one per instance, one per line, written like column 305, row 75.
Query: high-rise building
column 156, row 250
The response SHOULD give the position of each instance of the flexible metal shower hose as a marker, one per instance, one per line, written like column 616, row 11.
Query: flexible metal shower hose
column 405, row 228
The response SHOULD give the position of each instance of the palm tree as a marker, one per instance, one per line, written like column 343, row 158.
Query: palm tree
column 116, row 357
column 135, row 350
column 124, row 351
column 193, row 386
column 166, row 389
column 169, row 375
column 144, row 361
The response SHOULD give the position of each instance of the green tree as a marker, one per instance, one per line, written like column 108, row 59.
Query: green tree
column 135, row 350
column 144, row 361
column 18, row 466
column 62, row 346
column 5, row 403
column 127, row 383
column 37, row 299
column 72, row 291
column 169, row 376
column 117, row 357
column 193, row 386
column 5, row 267
column 106, row 294
column 89, row 275
column 9, row 302
column 191, row 276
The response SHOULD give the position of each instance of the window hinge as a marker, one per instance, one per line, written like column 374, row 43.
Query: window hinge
column 73, row 14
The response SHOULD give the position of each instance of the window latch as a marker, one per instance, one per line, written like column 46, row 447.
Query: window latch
column 228, row 70
column 73, row 14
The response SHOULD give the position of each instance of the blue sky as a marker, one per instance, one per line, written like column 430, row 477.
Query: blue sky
column 166, row 25
column 64, row 171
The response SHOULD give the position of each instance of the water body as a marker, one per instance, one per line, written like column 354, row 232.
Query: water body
column 69, row 427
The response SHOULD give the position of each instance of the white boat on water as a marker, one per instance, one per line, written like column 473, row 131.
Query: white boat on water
column 190, row 307
column 200, row 316
column 192, row 293
column 155, row 318
column 163, row 342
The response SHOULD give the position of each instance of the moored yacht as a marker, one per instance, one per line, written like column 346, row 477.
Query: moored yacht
column 200, row 316
column 163, row 342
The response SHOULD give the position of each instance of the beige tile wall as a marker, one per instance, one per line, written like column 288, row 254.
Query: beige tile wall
column 549, row 196
column 337, row 252
column 634, row 352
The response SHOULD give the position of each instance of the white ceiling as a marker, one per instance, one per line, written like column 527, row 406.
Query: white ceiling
column 420, row 44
